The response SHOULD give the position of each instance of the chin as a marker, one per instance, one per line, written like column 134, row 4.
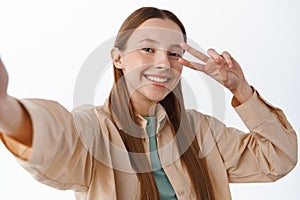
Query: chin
column 156, row 97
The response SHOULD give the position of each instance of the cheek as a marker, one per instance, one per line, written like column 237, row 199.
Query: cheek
column 177, row 67
column 134, row 60
column 128, row 62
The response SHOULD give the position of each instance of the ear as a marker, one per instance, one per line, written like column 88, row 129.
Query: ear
column 115, row 54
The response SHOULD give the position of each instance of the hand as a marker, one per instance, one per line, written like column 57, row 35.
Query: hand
column 223, row 68
column 3, row 81
column 14, row 119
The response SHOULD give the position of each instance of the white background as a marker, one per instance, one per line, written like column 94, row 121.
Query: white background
column 44, row 43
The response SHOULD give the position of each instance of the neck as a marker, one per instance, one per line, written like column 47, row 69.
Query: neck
column 144, row 108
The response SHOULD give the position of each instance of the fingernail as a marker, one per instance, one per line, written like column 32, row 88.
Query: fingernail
column 183, row 44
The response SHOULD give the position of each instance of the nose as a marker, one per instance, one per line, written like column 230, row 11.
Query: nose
column 162, row 60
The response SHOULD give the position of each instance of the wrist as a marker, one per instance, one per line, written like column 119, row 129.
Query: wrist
column 243, row 93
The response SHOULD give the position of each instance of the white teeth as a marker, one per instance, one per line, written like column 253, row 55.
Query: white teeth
column 157, row 79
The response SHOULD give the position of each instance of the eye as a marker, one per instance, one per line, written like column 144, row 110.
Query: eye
column 148, row 49
column 174, row 54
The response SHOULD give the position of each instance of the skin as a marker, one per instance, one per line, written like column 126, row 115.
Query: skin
column 138, row 61
column 152, row 50
column 224, row 69
column 159, row 58
column 14, row 119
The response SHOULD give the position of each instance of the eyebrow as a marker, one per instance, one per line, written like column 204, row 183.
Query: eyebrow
column 156, row 42
column 148, row 40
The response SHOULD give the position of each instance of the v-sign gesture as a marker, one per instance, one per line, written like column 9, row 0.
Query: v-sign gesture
column 223, row 68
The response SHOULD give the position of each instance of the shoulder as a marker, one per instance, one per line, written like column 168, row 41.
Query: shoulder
column 197, row 118
column 208, row 130
column 92, row 114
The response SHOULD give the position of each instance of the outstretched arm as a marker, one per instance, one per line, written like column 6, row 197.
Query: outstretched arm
column 14, row 119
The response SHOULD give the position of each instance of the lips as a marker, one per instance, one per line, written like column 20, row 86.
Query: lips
column 156, row 79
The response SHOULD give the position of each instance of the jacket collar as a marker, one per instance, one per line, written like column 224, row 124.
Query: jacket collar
column 160, row 114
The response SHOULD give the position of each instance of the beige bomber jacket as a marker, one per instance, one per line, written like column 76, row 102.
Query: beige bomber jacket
column 82, row 150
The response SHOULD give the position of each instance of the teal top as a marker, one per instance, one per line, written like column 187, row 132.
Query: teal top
column 164, row 186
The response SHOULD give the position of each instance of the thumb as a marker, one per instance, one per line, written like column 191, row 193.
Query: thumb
column 3, row 79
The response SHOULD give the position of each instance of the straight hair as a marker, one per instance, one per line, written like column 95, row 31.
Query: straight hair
column 121, row 108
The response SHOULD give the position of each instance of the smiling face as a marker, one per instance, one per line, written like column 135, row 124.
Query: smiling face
column 150, row 60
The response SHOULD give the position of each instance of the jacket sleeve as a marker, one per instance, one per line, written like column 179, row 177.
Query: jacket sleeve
column 57, row 157
column 266, row 153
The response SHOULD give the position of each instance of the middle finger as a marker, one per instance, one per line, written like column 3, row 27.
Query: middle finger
column 218, row 59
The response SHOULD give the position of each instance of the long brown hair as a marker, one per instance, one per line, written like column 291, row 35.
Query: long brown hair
column 121, row 108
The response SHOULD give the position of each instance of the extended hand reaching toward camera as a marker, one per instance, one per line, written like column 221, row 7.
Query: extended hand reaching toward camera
column 14, row 119
column 223, row 68
column 3, row 81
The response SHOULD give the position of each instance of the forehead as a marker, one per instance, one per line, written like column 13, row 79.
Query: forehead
column 164, row 31
column 160, row 23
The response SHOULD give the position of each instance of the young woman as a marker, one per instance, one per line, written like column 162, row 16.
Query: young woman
column 142, row 143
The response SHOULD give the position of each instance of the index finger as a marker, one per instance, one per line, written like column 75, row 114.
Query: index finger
column 194, row 52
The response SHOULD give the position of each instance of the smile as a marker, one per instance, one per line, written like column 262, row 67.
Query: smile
column 157, row 79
